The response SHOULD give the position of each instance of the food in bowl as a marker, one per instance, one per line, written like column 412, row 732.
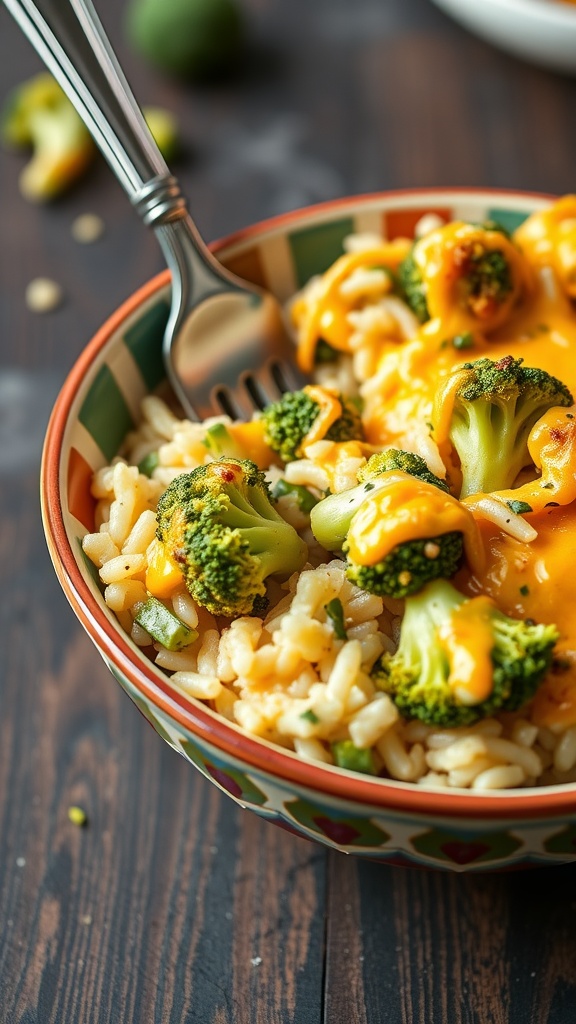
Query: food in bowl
column 372, row 572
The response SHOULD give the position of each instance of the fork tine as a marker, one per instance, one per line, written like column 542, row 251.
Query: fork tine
column 255, row 390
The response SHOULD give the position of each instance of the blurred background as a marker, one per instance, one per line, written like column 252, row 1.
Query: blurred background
column 172, row 905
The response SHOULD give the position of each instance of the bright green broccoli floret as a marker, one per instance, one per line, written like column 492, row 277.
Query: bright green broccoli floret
column 409, row 565
column 331, row 517
column 495, row 407
column 406, row 462
column 417, row 677
column 288, row 421
column 220, row 527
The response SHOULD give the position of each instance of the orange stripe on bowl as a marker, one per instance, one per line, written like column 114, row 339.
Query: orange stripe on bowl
column 81, row 504
column 401, row 223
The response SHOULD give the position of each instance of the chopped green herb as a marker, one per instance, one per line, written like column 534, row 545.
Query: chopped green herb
column 430, row 426
column 148, row 464
column 305, row 498
column 325, row 353
column 347, row 755
column 335, row 613
column 569, row 416
column 519, row 507
column 310, row 716
column 547, row 487
column 221, row 444
column 163, row 626
column 524, row 590
column 461, row 341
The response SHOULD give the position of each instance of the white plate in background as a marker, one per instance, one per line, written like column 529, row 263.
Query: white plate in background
column 541, row 31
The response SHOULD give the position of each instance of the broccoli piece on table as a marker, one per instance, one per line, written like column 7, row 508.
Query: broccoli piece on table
column 288, row 421
column 427, row 677
column 37, row 114
column 495, row 407
column 219, row 526
column 409, row 565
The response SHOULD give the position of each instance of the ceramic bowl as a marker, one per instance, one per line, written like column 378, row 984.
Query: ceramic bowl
column 541, row 31
column 384, row 820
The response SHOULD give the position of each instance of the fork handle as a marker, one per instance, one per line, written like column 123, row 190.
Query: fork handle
column 70, row 39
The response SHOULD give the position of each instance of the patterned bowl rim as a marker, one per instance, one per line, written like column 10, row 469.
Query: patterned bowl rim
column 192, row 715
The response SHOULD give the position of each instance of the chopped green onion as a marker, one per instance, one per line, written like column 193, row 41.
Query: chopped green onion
column 325, row 353
column 304, row 497
column 461, row 341
column 163, row 626
column 310, row 716
column 335, row 613
column 347, row 755
column 221, row 444
column 148, row 464
column 519, row 507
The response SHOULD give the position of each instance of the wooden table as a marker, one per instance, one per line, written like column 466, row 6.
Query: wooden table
column 173, row 905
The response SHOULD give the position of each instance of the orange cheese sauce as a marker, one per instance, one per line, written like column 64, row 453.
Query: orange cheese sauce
column 536, row 321
column 409, row 509
column 327, row 317
column 533, row 580
column 467, row 640
column 330, row 411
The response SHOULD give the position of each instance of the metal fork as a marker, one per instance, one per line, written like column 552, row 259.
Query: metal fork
column 226, row 348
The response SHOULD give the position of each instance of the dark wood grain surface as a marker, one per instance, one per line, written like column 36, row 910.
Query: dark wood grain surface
column 172, row 906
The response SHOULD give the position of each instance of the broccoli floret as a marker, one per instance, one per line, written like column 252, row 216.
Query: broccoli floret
column 331, row 517
column 219, row 526
column 288, row 421
column 38, row 114
column 495, row 407
column 409, row 565
column 406, row 462
column 413, row 286
column 421, row 677
column 482, row 273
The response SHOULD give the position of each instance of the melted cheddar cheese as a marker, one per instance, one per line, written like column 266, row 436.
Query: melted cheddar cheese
column 409, row 509
column 327, row 317
column 467, row 641
column 407, row 404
